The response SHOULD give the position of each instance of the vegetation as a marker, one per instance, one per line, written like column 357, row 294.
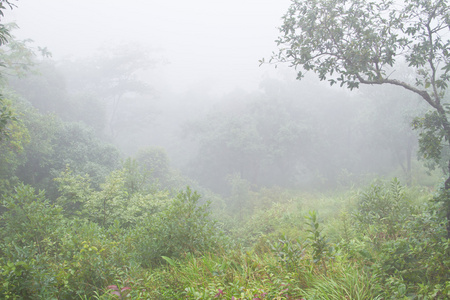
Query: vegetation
column 152, row 246
column 366, row 42
column 81, row 220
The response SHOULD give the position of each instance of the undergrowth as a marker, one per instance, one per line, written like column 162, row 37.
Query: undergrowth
column 383, row 242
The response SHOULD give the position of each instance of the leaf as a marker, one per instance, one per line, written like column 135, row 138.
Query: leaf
column 169, row 260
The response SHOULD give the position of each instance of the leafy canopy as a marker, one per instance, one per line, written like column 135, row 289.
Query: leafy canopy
column 4, row 30
column 359, row 41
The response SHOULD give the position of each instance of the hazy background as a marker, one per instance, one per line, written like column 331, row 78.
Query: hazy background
column 182, row 79
column 206, row 42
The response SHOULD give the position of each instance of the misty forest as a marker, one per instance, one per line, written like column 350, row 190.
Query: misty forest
column 324, row 176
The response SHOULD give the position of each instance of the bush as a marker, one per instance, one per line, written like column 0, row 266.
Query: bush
column 29, row 219
column 185, row 227
column 115, row 202
column 420, row 259
column 30, row 236
column 385, row 207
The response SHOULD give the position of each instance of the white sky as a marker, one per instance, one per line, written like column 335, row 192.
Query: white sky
column 215, row 42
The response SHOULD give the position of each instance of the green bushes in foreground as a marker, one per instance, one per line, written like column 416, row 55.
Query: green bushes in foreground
column 144, row 244
column 46, row 253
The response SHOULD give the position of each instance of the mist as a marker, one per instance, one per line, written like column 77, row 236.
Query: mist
column 209, row 43
column 151, row 149
column 185, row 78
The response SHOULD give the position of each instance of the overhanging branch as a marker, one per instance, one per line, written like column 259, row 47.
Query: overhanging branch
column 421, row 93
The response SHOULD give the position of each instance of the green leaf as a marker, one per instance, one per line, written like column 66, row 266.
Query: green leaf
column 169, row 260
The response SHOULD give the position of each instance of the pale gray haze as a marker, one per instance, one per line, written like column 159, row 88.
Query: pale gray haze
column 182, row 79
column 215, row 43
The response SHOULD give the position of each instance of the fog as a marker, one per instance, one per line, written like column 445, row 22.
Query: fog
column 184, row 78
column 211, row 43
column 165, row 149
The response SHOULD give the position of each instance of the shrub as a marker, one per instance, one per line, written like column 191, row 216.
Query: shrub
column 114, row 202
column 184, row 227
column 29, row 219
column 420, row 259
column 321, row 248
column 385, row 207
column 30, row 236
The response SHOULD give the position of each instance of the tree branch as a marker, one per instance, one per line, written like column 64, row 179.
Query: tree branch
column 422, row 93
column 431, row 58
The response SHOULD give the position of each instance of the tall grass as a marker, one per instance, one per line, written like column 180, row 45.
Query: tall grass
column 345, row 281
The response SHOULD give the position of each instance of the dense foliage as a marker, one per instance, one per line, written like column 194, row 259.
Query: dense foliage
column 80, row 220
column 384, row 242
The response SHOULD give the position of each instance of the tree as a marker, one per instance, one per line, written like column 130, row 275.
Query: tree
column 12, row 146
column 16, row 59
column 6, row 115
column 4, row 30
column 154, row 162
column 53, row 144
column 364, row 42
column 114, row 76
column 257, row 137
